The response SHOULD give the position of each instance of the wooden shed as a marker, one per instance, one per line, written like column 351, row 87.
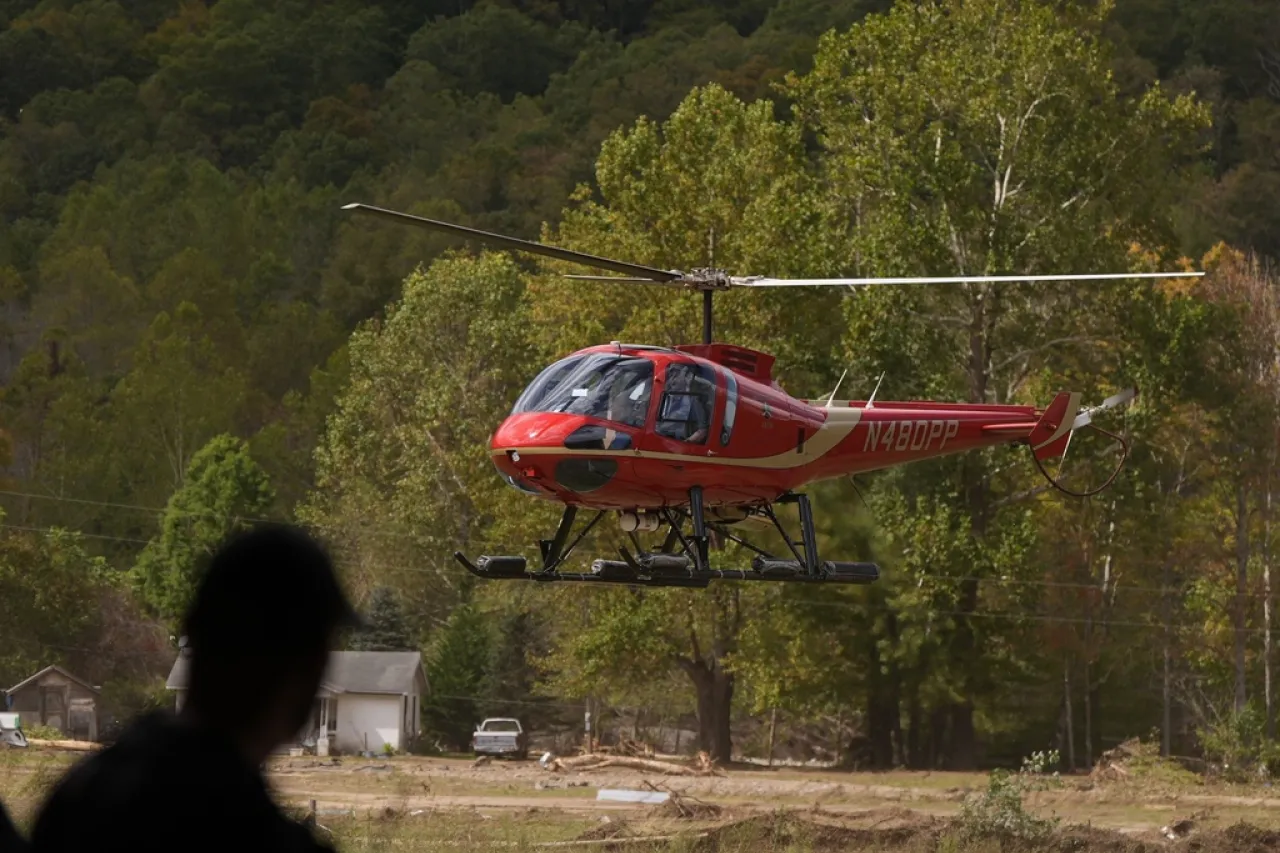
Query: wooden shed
column 54, row 697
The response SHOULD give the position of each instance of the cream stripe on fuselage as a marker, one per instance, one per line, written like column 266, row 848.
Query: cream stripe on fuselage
column 837, row 427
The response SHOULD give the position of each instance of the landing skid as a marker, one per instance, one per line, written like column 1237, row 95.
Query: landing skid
column 683, row 558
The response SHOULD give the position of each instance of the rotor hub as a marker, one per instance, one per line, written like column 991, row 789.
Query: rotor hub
column 706, row 278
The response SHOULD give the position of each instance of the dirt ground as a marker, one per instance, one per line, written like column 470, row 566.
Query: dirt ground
column 1139, row 808
column 412, row 802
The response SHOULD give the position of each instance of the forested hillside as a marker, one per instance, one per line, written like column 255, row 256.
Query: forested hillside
column 194, row 335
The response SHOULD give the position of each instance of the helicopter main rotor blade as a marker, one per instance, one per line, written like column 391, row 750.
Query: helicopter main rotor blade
column 760, row 281
column 648, row 274
column 623, row 279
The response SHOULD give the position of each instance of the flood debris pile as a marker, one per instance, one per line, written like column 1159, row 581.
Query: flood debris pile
column 682, row 806
column 592, row 761
column 1139, row 761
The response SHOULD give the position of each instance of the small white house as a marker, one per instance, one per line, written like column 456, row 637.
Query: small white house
column 366, row 701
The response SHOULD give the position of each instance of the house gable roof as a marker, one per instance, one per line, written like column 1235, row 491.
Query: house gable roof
column 374, row 672
column 392, row 673
column 48, row 669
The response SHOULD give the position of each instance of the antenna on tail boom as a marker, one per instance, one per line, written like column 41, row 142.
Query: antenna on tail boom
column 872, row 399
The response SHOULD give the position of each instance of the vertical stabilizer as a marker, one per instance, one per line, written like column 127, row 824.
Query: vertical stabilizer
column 1051, row 435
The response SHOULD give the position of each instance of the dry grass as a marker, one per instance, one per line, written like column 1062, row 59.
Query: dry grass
column 409, row 804
column 771, row 833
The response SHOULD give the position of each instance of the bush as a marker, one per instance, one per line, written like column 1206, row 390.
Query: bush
column 998, row 811
column 42, row 732
column 1236, row 745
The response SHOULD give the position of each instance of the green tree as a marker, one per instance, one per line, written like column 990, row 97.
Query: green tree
column 223, row 491
column 982, row 137
column 719, row 173
column 722, row 180
column 403, row 476
column 457, row 663
column 59, row 604
column 49, row 594
column 386, row 631
column 511, row 676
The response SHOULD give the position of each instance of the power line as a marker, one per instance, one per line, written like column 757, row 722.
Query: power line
column 52, row 530
column 901, row 612
column 481, row 542
column 931, row 579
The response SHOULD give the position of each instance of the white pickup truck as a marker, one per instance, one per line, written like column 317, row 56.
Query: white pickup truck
column 501, row 736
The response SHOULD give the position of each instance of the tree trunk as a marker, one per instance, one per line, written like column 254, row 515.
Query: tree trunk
column 773, row 733
column 1166, row 685
column 882, row 705
column 915, row 759
column 963, row 752
column 840, row 739
column 1242, row 585
column 1088, row 716
column 881, row 711
column 965, row 655
column 714, row 689
column 964, row 741
column 1266, row 605
column 937, row 736
column 1066, row 699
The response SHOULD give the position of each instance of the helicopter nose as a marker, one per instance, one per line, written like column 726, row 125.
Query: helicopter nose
column 534, row 430
column 541, row 452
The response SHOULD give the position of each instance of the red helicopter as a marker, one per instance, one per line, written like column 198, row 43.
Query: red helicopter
column 701, row 436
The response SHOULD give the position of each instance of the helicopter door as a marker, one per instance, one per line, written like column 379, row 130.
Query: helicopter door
column 686, row 412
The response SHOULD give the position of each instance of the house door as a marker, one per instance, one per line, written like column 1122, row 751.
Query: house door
column 53, row 711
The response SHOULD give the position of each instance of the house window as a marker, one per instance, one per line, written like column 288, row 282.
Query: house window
column 333, row 716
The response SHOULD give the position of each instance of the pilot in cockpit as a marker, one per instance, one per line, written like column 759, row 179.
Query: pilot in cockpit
column 685, row 415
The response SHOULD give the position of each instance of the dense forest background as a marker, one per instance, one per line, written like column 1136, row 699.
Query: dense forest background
column 194, row 336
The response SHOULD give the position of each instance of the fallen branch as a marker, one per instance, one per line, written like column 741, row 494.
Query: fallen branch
column 77, row 745
column 591, row 763
column 684, row 806
column 609, row 842
column 602, row 761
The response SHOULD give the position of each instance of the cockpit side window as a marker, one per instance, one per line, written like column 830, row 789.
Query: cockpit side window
column 730, row 408
column 687, row 402
column 598, row 385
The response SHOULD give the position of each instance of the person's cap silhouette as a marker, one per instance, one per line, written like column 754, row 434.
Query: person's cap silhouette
column 259, row 631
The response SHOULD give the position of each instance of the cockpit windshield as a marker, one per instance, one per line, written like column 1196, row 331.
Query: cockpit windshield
column 599, row 385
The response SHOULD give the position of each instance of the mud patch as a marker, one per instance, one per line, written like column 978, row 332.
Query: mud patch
column 783, row 831
column 906, row 831
column 1085, row 839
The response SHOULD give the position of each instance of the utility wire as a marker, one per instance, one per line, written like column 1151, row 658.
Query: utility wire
column 901, row 612
column 483, row 543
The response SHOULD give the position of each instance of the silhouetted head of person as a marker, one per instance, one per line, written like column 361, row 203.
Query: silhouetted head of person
column 259, row 630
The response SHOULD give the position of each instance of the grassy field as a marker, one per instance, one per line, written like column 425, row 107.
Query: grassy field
column 411, row 804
